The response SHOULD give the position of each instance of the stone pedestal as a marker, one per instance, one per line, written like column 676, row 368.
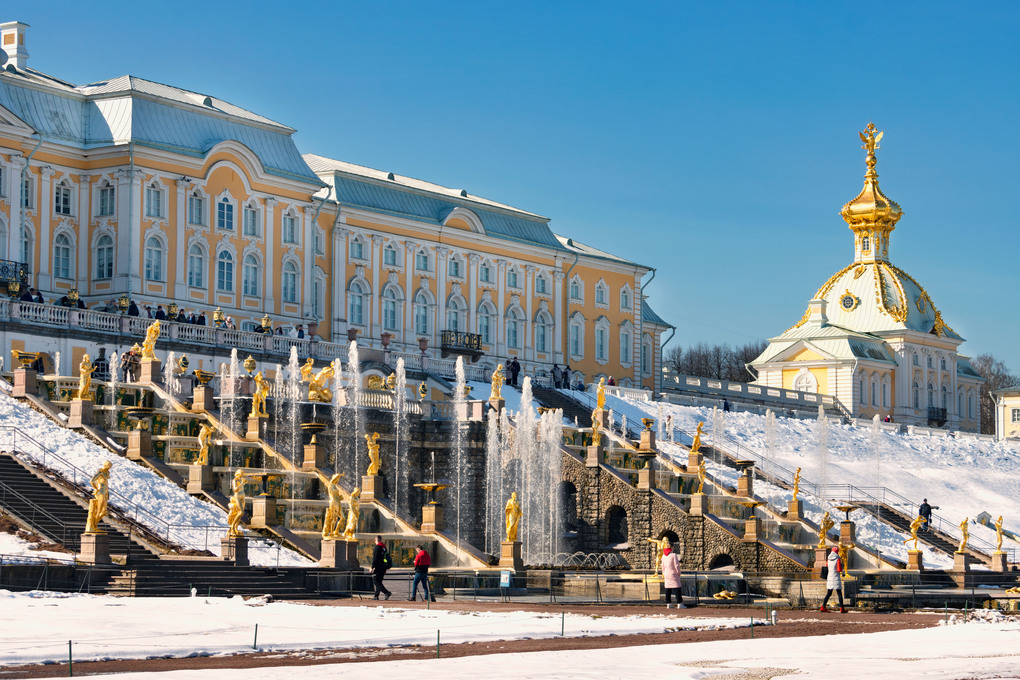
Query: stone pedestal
column 254, row 428
column 263, row 512
column 315, row 456
column 602, row 418
column 915, row 560
column 25, row 382
column 139, row 444
column 152, row 372
column 431, row 518
column 200, row 478
column 646, row 479
column 497, row 404
column 795, row 509
column 202, row 399
column 81, row 413
column 694, row 461
column 961, row 570
column 821, row 557
column 510, row 556
column 234, row 549
column 339, row 554
column 752, row 529
column 745, row 484
column 596, row 455
column 847, row 532
column 469, row 410
column 371, row 487
column 699, row 504
column 95, row 549
column 998, row 562
column 647, row 440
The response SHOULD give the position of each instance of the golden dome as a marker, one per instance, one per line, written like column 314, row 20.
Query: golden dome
column 871, row 209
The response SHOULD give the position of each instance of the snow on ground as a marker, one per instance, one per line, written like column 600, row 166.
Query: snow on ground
column 156, row 502
column 14, row 547
column 37, row 626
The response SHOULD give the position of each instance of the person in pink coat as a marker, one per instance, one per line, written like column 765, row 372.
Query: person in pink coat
column 671, row 578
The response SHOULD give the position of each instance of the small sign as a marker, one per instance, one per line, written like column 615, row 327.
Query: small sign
column 504, row 579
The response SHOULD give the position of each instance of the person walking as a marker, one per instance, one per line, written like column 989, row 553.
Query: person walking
column 557, row 375
column 515, row 368
column 566, row 377
column 381, row 561
column 834, row 581
column 924, row 510
column 422, row 562
column 671, row 578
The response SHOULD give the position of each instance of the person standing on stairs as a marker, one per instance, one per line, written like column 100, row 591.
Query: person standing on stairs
column 834, row 581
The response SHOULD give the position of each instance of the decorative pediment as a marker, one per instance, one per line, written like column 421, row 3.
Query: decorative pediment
column 9, row 120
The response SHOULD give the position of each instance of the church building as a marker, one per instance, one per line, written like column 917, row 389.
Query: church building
column 872, row 337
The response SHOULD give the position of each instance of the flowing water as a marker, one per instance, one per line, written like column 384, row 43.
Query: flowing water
column 354, row 392
column 823, row 449
column 401, row 438
column 114, row 370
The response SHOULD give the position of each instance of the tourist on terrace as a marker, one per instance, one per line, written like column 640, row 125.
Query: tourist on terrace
column 422, row 562
column 200, row 319
column 160, row 314
column 671, row 578
column 381, row 561
column 133, row 309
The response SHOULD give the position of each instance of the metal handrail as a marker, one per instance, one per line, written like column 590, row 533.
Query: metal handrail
column 7, row 490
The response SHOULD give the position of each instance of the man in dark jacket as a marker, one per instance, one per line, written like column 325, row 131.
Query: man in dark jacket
column 133, row 309
column 200, row 319
column 925, row 511
column 160, row 314
column 515, row 368
column 379, row 568
column 422, row 562
column 27, row 295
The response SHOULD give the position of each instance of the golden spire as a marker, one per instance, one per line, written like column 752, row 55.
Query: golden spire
column 871, row 215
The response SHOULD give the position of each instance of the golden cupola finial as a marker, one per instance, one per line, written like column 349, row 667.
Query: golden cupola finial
column 871, row 215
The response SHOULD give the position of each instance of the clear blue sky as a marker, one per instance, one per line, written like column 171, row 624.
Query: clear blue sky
column 715, row 143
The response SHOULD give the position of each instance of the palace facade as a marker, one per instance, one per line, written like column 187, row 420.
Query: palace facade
column 872, row 337
column 130, row 189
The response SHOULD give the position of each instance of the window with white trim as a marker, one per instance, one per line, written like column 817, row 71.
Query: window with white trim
column 196, row 208
column 250, row 221
column 540, row 285
column 625, row 341
column 104, row 257
column 196, row 266
column 421, row 314
column 512, row 329
column 318, row 296
column 454, row 268
column 389, row 309
column 3, row 180
column 575, row 337
column 601, row 345
column 62, row 199
column 1014, row 415
column 153, row 259
column 153, row 201
column 486, row 323
column 225, row 271
column 289, row 229
column 390, row 256
column 62, row 257
column 290, row 282
column 225, row 215
column 543, row 332
column 453, row 312
column 917, row 395
column 318, row 236
column 485, row 273
column 107, row 196
column 576, row 290
column 357, row 249
column 511, row 278
column 28, row 193
column 356, row 305
column 601, row 293
column 624, row 298
column 421, row 261
column 250, row 275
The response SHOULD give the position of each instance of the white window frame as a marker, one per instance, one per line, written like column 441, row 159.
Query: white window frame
column 289, row 282
column 251, row 275
column 575, row 289
column 540, row 285
column 196, row 208
column 454, row 268
column 250, row 221
column 391, row 309
column 356, row 305
column 225, row 271
column 485, row 273
column 390, row 256
column 357, row 249
column 63, row 256
column 62, row 204
column 421, row 313
column 154, row 201
column 289, row 232
column 107, row 200
column 28, row 192
column 512, row 279
column 226, row 215
column 105, row 257
column 155, row 256
column 422, row 261
column 196, row 266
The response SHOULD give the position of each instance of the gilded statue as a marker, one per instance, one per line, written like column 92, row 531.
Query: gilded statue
column 965, row 529
column 149, row 344
column 497, row 383
column 391, row 382
column 914, row 526
column 796, row 484
column 600, row 394
column 596, row 428
column 85, row 370
column 660, row 544
column 998, row 535
column 843, row 551
column 872, row 139
column 100, row 499
column 353, row 513
column 423, row 390
column 701, row 477
column 317, row 383
column 258, row 400
column 235, row 509
column 696, row 444
column 332, row 524
column 513, row 518
column 374, row 459
column 823, row 530
column 205, row 433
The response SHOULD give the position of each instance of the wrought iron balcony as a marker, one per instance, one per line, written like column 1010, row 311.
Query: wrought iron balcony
column 459, row 342
column 13, row 272
column 937, row 415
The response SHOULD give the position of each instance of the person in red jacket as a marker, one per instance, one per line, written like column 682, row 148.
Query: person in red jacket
column 422, row 562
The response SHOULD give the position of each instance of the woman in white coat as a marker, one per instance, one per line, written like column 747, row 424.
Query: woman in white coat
column 834, row 581
column 671, row 578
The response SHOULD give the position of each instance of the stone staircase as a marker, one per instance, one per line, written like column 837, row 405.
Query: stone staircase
column 555, row 399
column 933, row 539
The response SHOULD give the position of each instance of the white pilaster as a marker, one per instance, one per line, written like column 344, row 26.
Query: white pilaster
column 271, row 268
column 442, row 257
column 559, row 321
column 529, row 337
column 82, row 275
column 181, row 240
column 473, row 262
column 409, row 250
column 338, row 281
column 308, row 244
column 500, row 343
column 43, row 244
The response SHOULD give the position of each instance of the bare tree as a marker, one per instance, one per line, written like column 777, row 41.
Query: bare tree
column 997, row 376
column 720, row 362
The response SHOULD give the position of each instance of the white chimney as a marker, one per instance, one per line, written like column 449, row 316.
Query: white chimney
column 817, row 316
column 12, row 39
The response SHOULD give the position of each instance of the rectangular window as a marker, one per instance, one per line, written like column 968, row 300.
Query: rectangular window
column 511, row 333
column 225, row 215
column 357, row 250
column 3, row 183
column 485, row 274
column 251, row 222
column 317, row 237
column 600, row 295
column 484, row 328
column 625, row 348
column 511, row 278
column 390, row 257
column 389, row 315
column 289, row 229
column 575, row 290
column 600, row 344
column 62, row 200
column 575, row 341
column 421, row 261
column 1015, row 415
column 540, row 343
column 106, row 196
column 540, row 284
column 455, row 268
column 104, row 261
column 153, row 202
column 317, row 302
column 196, row 209
column 251, row 278
column 27, row 194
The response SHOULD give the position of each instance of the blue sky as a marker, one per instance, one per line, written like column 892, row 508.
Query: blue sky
column 714, row 142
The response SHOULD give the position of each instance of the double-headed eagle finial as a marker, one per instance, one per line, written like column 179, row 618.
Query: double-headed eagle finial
column 871, row 138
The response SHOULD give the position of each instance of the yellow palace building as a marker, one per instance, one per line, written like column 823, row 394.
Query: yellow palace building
column 130, row 187
column 872, row 336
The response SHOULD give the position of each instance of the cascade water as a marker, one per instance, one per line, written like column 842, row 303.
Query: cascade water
column 493, row 483
column 292, row 396
column 354, row 392
column 56, row 363
column 876, row 434
column 170, row 380
column 770, row 438
column 823, row 450
column 336, row 411
column 114, row 369
column 460, row 462
column 401, row 436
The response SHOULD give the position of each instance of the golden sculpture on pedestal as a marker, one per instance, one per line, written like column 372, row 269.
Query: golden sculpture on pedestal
column 796, row 484
column 205, row 433
column 965, row 529
column 85, row 371
column 596, row 428
column 823, row 530
column 423, row 390
column 696, row 444
column 149, row 344
column 391, row 382
column 512, row 512
column 353, row 513
column 701, row 477
column 374, row 459
column 844, row 550
column 914, row 526
column 258, row 400
column 497, row 383
column 998, row 535
column 660, row 544
column 100, row 499
column 317, row 389
column 600, row 394
column 235, row 509
column 334, row 521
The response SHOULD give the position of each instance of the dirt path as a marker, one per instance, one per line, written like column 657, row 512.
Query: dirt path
column 792, row 623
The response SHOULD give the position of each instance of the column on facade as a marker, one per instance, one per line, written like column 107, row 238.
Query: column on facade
column 635, row 338
column 81, row 271
column 308, row 243
column 129, row 229
column 14, row 228
column 180, row 280
column 442, row 257
column 376, row 306
column 529, row 333
column 270, row 270
column 42, row 241
column 472, row 277
column 501, row 266
column 410, row 248
column 338, row 280
column 559, row 318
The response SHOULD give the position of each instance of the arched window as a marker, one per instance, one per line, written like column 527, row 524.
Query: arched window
column 624, row 299
column 290, row 282
column 250, row 275
column 945, row 397
column 513, row 329
column 196, row 266
column 601, row 293
column 225, row 272
column 575, row 289
column 486, row 322
column 390, row 256
column 356, row 305
column 931, row 395
column 543, row 332
column 453, row 313
column 389, row 310
column 357, row 249
column 805, row 381
column 874, row 392
column 917, row 394
column 153, row 259
column 62, row 257
column 104, row 257
column 421, row 312
column 866, row 244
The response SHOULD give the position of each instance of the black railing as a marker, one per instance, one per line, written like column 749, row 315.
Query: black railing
column 458, row 340
column 937, row 414
column 13, row 272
